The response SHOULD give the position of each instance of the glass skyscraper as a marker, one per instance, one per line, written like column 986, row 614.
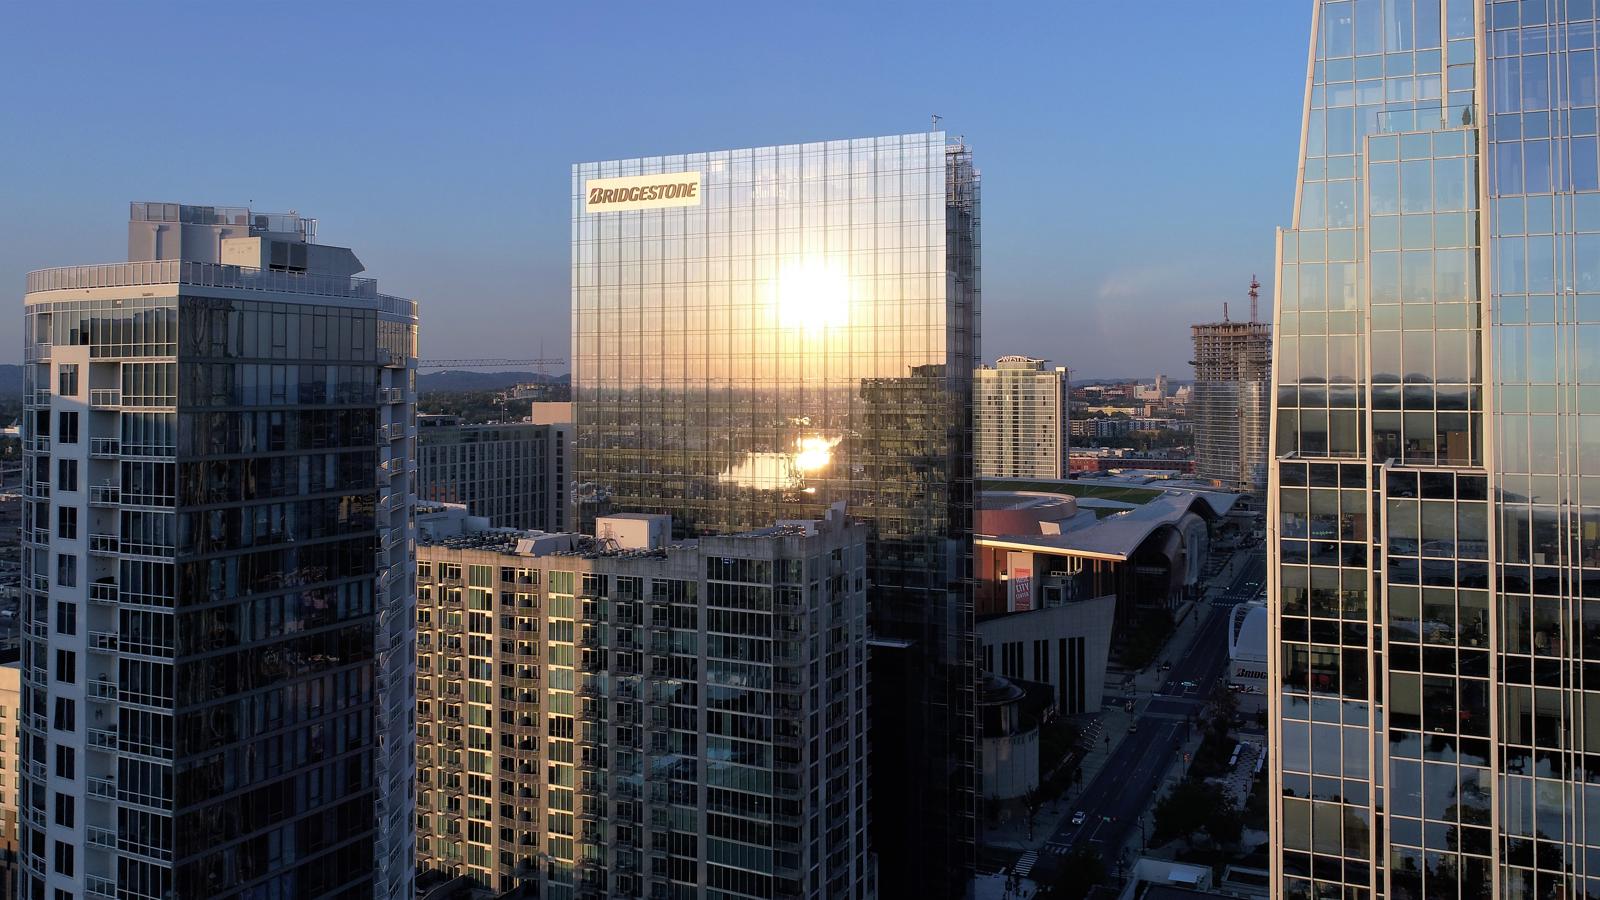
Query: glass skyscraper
column 218, row 682
column 760, row 333
column 1435, row 519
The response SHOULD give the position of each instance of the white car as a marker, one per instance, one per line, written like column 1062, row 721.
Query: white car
column 1078, row 817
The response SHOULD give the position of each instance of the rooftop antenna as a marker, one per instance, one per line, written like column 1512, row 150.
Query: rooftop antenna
column 1255, row 293
column 934, row 122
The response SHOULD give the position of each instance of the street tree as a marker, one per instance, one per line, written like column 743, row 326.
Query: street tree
column 1080, row 872
column 1193, row 807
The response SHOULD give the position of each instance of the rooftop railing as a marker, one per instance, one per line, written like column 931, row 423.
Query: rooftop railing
column 204, row 274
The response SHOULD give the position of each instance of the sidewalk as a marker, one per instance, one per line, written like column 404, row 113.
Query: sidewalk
column 1102, row 736
column 1011, row 831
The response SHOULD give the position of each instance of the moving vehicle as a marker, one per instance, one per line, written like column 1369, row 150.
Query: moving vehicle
column 1078, row 817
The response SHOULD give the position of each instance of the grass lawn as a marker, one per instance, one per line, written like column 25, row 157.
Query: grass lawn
column 1076, row 489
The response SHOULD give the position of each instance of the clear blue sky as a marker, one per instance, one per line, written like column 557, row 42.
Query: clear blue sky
column 1136, row 155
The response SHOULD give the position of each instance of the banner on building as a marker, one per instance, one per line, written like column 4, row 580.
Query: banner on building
column 1020, row 566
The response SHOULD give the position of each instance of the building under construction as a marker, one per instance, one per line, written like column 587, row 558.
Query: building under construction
column 1232, row 398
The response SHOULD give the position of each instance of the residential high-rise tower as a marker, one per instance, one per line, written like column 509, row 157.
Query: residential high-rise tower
column 1019, row 410
column 513, row 473
column 760, row 333
column 657, row 718
column 218, row 607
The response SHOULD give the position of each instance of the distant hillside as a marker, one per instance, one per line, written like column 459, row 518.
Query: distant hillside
column 460, row 380
column 10, row 379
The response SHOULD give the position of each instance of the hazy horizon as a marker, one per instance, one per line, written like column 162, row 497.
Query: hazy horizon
column 1118, row 207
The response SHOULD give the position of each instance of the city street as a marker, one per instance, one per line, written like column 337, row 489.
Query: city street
column 1125, row 788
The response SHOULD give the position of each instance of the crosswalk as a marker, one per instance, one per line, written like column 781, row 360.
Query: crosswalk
column 1028, row 860
column 1025, row 863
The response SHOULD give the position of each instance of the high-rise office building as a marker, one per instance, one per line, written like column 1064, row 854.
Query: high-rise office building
column 621, row 716
column 512, row 473
column 1019, row 410
column 1231, row 406
column 218, row 611
column 760, row 333
column 1435, row 516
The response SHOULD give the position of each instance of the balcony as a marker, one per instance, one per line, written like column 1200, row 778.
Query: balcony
column 103, row 641
column 103, row 739
column 145, row 548
column 105, row 448
column 97, row 886
column 102, row 689
column 103, row 788
column 104, row 838
column 105, row 495
column 103, row 543
column 104, row 592
column 105, row 397
column 39, row 443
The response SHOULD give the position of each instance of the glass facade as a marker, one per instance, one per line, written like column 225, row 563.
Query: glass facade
column 1434, row 519
column 805, row 333
column 211, row 690
column 511, row 473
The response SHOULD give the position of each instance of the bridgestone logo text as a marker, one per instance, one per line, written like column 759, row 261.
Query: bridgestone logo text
column 670, row 191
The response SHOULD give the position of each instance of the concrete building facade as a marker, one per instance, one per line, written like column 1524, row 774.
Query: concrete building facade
column 622, row 716
column 217, row 673
column 513, row 473
column 10, row 776
column 1232, row 404
column 1020, row 419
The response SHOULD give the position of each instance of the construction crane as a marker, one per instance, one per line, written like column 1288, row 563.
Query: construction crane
column 540, row 362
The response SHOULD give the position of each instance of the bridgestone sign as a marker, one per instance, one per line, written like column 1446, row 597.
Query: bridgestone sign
column 641, row 192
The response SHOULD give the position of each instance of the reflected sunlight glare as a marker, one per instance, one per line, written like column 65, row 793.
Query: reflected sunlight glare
column 813, row 295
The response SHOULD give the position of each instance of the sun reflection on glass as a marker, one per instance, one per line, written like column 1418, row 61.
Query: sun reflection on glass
column 813, row 295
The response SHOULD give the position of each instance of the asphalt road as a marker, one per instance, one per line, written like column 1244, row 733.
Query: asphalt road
column 1123, row 788
column 1250, row 582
